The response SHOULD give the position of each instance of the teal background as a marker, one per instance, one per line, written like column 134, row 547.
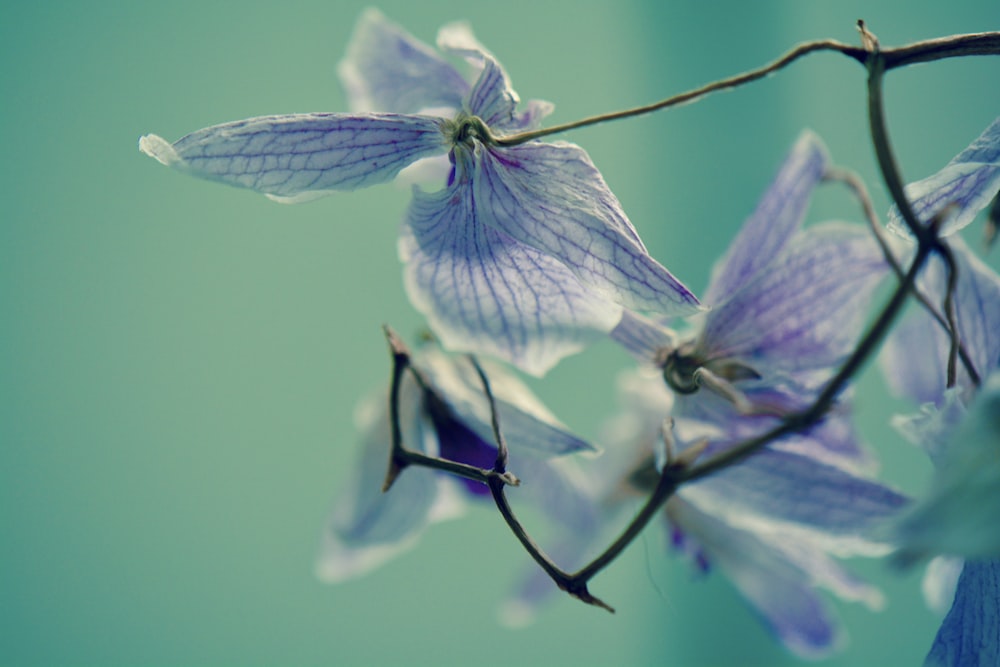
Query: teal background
column 179, row 361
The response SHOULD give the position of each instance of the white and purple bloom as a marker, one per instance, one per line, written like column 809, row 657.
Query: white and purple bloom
column 787, row 307
column 957, row 426
column 525, row 254
column 447, row 416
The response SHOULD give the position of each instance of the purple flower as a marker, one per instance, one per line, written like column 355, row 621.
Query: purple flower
column 787, row 307
column 448, row 417
column 525, row 254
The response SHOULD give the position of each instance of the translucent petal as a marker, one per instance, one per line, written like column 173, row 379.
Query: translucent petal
column 492, row 98
column 774, row 585
column 643, row 337
column 776, row 486
column 387, row 69
column 526, row 423
column 551, row 197
column 970, row 634
column 292, row 158
column 484, row 292
column 806, row 310
column 959, row 513
column 368, row 527
column 969, row 182
column 778, row 216
column 977, row 308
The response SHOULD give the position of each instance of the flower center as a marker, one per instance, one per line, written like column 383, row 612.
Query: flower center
column 465, row 130
column 681, row 366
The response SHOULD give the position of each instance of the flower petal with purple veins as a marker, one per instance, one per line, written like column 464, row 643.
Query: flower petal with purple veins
column 969, row 182
column 806, row 310
column 970, row 634
column 388, row 69
column 302, row 156
column 551, row 197
column 778, row 215
column 776, row 587
column 484, row 291
column 774, row 486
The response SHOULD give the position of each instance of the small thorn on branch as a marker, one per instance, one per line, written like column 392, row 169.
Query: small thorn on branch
column 579, row 590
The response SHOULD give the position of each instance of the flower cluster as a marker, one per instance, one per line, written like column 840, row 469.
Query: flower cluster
column 735, row 429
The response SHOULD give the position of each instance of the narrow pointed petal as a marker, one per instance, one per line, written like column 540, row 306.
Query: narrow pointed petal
column 491, row 98
column 551, row 197
column 388, row 69
column 807, row 309
column 969, row 182
column 297, row 157
column 970, row 634
column 484, row 292
column 643, row 337
column 778, row 215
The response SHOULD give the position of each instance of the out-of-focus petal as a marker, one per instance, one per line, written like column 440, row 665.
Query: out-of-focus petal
column 388, row 69
column 969, row 182
column 485, row 292
column 779, row 487
column 806, row 310
column 368, row 527
column 552, row 198
column 970, row 634
column 775, row 586
column 778, row 216
column 643, row 337
column 960, row 513
column 302, row 156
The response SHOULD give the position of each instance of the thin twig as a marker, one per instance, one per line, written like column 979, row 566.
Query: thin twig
column 400, row 456
column 500, row 465
column 949, row 309
column 572, row 585
column 986, row 43
column 695, row 94
column 855, row 184
column 925, row 234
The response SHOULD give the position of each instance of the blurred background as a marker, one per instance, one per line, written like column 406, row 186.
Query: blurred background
column 179, row 361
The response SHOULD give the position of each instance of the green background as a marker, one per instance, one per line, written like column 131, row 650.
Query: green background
column 179, row 361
